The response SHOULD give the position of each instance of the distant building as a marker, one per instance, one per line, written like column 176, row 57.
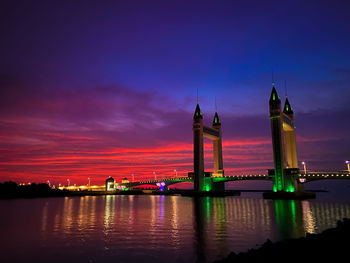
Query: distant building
column 125, row 181
column 110, row 184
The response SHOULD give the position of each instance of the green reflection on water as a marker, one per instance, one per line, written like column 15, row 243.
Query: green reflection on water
column 289, row 218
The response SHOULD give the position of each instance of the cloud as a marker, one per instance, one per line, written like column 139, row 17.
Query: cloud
column 109, row 130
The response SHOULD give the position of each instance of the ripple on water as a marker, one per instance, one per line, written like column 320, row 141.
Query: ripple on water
column 157, row 228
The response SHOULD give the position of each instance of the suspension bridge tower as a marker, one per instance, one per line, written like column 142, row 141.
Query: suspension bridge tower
column 203, row 181
column 284, row 145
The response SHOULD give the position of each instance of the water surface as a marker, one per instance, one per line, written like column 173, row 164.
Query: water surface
column 154, row 228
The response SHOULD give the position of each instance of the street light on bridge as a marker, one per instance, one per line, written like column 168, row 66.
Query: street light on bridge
column 304, row 164
column 68, row 182
column 133, row 178
column 175, row 173
column 155, row 175
column 347, row 163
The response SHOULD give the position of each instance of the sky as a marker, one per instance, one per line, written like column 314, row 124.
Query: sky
column 92, row 89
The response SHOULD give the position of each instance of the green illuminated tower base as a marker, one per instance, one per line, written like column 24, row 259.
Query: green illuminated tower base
column 290, row 175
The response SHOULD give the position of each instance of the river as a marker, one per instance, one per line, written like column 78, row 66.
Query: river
column 145, row 228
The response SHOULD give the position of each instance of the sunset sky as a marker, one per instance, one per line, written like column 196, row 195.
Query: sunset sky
column 108, row 88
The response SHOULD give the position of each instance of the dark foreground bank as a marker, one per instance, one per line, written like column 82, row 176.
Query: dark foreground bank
column 332, row 245
column 9, row 190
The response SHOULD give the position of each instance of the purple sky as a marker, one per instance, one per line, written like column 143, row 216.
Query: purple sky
column 100, row 88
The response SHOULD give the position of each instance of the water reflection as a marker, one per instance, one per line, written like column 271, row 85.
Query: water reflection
column 308, row 219
column 214, row 219
column 175, row 231
column 159, row 228
column 200, row 220
column 289, row 218
column 109, row 213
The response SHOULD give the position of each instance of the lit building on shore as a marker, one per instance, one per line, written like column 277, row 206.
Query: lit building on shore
column 110, row 184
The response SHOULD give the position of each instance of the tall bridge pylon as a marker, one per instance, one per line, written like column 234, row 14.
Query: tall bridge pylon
column 283, row 145
column 203, row 181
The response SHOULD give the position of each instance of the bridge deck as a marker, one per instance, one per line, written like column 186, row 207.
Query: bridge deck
column 325, row 175
column 309, row 177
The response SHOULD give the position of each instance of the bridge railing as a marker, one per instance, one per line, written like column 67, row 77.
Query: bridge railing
column 309, row 175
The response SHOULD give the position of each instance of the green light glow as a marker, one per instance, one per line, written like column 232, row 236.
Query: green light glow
column 293, row 208
column 283, row 183
column 207, row 203
column 291, row 188
column 287, row 213
column 208, row 184
column 273, row 96
column 278, row 183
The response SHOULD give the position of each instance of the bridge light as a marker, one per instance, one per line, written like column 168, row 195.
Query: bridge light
column 304, row 164
column 275, row 189
column 347, row 163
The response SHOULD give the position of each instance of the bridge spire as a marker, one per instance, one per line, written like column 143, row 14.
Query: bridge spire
column 287, row 108
column 274, row 98
column 216, row 120
column 197, row 113
column 274, row 103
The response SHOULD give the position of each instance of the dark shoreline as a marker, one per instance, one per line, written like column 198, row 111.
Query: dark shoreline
column 10, row 190
column 65, row 193
column 329, row 246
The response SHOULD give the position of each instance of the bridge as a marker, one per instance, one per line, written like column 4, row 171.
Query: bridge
column 165, row 182
column 286, row 177
column 314, row 176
